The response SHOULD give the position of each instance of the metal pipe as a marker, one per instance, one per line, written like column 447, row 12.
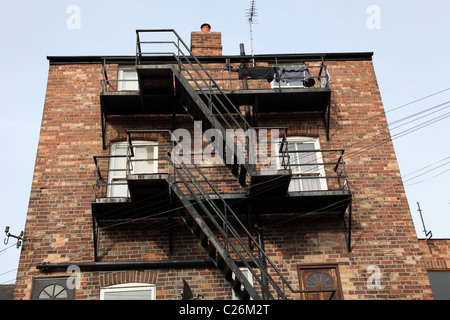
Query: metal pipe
column 124, row 265
column 245, row 84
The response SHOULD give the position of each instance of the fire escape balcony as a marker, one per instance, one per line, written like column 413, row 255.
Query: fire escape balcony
column 151, row 87
column 276, row 87
column 318, row 185
column 144, row 178
column 133, row 183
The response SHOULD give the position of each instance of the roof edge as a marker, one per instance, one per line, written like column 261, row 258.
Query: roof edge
column 337, row 56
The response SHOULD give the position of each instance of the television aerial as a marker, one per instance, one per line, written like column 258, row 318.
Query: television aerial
column 251, row 14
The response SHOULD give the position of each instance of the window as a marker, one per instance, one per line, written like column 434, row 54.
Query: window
column 129, row 291
column 287, row 84
column 308, row 173
column 248, row 275
column 52, row 288
column 320, row 278
column 293, row 77
column 144, row 161
column 128, row 80
column 440, row 284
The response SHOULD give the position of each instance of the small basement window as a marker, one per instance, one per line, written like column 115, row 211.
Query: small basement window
column 129, row 291
column 440, row 284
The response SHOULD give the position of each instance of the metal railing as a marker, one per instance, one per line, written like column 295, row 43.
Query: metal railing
column 220, row 78
column 325, row 171
column 220, row 214
column 314, row 170
column 229, row 81
column 111, row 171
column 192, row 68
column 200, row 188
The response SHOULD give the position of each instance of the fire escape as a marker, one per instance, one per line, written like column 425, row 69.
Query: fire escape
column 214, row 218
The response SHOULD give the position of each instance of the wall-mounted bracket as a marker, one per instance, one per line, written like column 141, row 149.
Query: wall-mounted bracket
column 19, row 237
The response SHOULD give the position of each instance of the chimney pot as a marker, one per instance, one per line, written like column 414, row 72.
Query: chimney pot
column 206, row 43
column 205, row 27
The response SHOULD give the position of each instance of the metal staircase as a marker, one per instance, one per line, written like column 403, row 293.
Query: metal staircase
column 205, row 212
column 192, row 82
column 211, row 224
column 208, row 220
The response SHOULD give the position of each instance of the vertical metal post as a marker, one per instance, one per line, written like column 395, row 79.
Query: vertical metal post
column 95, row 238
column 225, row 227
column 245, row 84
column 428, row 234
column 263, row 261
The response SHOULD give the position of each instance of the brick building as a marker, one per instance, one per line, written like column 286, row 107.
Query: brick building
column 319, row 213
column 436, row 253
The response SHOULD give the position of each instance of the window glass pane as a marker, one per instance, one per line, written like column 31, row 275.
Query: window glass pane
column 49, row 288
column 292, row 83
column 128, row 295
column 128, row 80
column 53, row 292
column 44, row 295
column 308, row 174
column 307, row 157
column 60, row 292
column 142, row 153
column 440, row 284
column 142, row 150
column 117, row 166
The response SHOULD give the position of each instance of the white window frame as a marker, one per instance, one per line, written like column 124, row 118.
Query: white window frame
column 296, row 170
column 113, row 164
column 130, row 287
column 283, row 84
column 132, row 85
column 248, row 275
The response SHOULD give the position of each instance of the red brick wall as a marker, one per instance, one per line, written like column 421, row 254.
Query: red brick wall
column 59, row 221
column 206, row 43
column 436, row 253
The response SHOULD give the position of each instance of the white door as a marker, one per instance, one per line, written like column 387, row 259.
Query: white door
column 143, row 162
column 128, row 80
column 308, row 173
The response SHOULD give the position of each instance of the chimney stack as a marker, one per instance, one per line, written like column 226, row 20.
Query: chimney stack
column 205, row 42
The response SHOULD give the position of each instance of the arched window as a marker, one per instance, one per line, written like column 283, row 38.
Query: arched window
column 322, row 280
column 52, row 288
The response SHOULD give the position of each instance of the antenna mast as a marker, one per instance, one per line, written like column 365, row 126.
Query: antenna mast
column 428, row 234
column 251, row 14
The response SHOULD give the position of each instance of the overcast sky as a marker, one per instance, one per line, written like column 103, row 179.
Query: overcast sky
column 409, row 40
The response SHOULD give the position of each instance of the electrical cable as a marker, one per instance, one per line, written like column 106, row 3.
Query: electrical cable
column 403, row 133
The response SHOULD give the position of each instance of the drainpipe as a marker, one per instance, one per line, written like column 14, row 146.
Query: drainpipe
column 245, row 84
column 114, row 266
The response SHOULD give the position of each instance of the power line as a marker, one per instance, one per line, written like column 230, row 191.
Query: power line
column 420, row 99
column 425, row 167
column 435, row 176
column 410, row 130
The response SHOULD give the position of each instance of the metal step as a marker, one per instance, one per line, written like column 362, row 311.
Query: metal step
column 214, row 249
column 197, row 109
